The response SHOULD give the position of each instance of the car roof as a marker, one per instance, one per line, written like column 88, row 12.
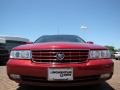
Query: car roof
column 13, row 38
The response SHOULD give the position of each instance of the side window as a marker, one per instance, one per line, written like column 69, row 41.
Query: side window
column 11, row 44
column 2, row 46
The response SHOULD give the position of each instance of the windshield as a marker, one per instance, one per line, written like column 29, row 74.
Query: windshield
column 59, row 38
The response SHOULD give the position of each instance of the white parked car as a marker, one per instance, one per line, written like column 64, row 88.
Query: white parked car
column 117, row 55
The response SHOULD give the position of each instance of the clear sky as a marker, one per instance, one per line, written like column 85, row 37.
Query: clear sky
column 33, row 18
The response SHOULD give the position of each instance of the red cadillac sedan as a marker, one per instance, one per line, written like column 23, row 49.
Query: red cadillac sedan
column 60, row 60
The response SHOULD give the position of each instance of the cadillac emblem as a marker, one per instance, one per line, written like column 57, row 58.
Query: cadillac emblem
column 60, row 56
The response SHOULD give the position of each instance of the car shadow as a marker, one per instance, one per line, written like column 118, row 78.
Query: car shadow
column 104, row 86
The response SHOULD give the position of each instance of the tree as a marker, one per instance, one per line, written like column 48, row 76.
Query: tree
column 111, row 48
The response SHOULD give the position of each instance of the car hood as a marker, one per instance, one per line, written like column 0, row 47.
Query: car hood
column 58, row 45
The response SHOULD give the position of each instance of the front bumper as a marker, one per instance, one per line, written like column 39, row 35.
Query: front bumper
column 37, row 74
column 117, row 56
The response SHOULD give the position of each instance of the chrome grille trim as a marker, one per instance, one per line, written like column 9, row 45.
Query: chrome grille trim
column 49, row 55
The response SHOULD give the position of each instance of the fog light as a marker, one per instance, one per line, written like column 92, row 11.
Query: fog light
column 15, row 76
column 104, row 76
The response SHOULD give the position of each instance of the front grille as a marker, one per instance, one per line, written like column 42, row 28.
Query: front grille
column 76, row 79
column 31, row 78
column 70, row 56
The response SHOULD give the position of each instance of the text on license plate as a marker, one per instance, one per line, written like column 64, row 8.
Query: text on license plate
column 60, row 74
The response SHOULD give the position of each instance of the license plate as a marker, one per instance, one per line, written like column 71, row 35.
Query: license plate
column 60, row 74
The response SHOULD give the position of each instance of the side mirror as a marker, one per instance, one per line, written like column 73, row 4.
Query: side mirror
column 90, row 42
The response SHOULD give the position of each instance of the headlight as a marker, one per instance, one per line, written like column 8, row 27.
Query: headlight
column 21, row 54
column 96, row 54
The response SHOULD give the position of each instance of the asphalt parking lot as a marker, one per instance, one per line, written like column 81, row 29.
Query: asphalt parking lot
column 112, row 84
